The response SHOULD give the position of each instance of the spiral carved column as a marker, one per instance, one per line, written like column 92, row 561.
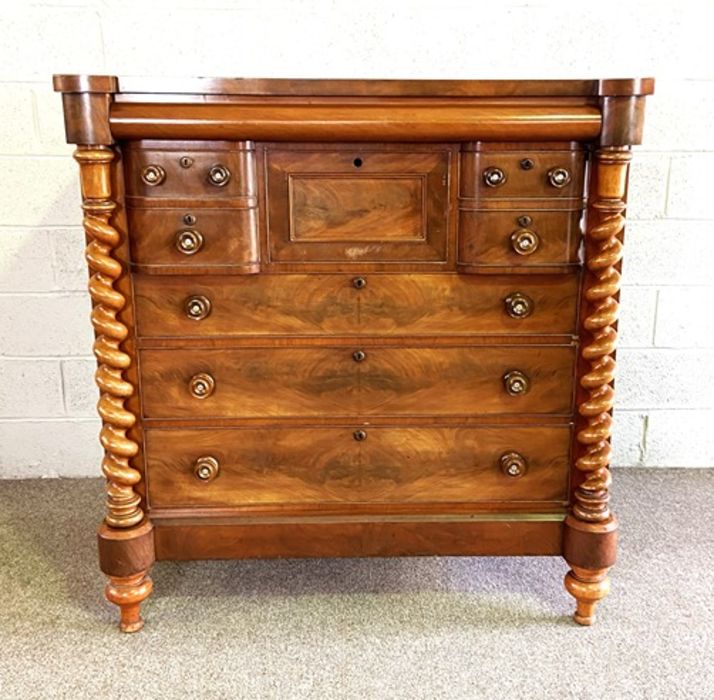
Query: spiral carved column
column 125, row 539
column 591, row 529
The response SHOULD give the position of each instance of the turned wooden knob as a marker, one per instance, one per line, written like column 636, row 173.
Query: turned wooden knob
column 153, row 175
column 206, row 468
column 516, row 383
column 197, row 307
column 518, row 305
column 559, row 177
column 494, row 177
column 189, row 241
column 513, row 464
column 219, row 175
column 524, row 241
column 202, row 385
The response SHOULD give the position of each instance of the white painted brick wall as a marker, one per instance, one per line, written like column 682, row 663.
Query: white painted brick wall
column 665, row 406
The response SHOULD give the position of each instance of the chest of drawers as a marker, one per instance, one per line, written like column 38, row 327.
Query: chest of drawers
column 352, row 318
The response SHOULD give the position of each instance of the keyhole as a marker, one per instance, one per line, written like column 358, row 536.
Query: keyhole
column 357, row 162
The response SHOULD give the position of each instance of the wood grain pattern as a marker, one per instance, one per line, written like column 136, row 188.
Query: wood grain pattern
column 356, row 209
column 328, row 305
column 339, row 122
column 314, row 381
column 361, row 204
column 392, row 465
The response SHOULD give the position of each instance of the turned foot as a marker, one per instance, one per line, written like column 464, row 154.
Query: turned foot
column 588, row 587
column 128, row 593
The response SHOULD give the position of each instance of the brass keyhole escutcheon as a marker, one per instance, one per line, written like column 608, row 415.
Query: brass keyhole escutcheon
column 359, row 435
column 359, row 282
column 359, row 355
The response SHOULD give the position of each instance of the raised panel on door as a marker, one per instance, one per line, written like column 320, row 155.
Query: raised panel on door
column 366, row 203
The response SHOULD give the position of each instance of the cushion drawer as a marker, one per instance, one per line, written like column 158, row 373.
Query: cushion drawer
column 507, row 170
column 376, row 304
column 320, row 382
column 526, row 238
column 183, row 239
column 206, row 170
column 361, row 204
column 327, row 465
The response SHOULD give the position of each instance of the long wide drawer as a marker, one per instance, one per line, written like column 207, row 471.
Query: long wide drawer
column 377, row 380
column 239, row 467
column 384, row 304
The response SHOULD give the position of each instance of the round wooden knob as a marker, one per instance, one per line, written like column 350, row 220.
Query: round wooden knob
column 518, row 305
column 359, row 355
column 202, row 385
column 516, row 383
column 359, row 282
column 494, row 177
column 558, row 177
column 206, row 468
column 153, row 175
column 513, row 464
column 524, row 241
column 359, row 435
column 219, row 175
column 197, row 307
column 189, row 241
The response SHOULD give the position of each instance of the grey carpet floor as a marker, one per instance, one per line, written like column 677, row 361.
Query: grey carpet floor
column 360, row 628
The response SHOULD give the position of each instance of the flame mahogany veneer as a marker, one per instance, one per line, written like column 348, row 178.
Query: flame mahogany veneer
column 354, row 318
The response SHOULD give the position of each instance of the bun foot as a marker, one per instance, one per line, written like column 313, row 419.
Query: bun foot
column 128, row 593
column 588, row 587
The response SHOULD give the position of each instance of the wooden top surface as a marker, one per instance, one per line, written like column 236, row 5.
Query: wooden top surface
column 356, row 88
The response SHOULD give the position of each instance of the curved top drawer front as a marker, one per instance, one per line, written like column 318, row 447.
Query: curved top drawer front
column 497, row 171
column 175, row 169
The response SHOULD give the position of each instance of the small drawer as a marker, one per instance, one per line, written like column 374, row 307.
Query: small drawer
column 359, row 380
column 361, row 204
column 168, row 169
column 526, row 238
column 247, row 466
column 369, row 304
column 496, row 171
column 194, row 238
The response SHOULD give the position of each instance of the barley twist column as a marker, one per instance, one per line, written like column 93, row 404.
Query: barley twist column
column 591, row 528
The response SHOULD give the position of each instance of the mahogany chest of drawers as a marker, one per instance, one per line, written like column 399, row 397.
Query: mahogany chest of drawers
column 350, row 318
